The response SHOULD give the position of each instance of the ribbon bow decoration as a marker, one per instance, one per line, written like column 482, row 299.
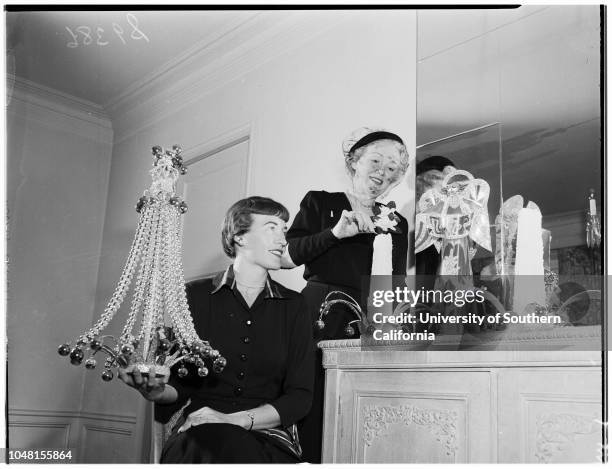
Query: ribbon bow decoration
column 385, row 218
column 451, row 214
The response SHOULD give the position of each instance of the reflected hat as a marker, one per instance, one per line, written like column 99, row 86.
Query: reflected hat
column 436, row 162
column 364, row 136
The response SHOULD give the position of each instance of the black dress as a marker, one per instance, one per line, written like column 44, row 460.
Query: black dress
column 332, row 264
column 269, row 361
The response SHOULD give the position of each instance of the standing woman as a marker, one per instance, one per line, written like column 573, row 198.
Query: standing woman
column 333, row 236
column 244, row 414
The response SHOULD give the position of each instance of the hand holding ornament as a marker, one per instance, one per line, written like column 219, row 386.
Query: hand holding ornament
column 152, row 386
column 352, row 223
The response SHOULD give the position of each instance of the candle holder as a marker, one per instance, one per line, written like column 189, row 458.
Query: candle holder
column 593, row 226
column 159, row 291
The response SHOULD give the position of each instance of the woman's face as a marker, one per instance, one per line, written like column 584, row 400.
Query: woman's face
column 377, row 168
column 264, row 243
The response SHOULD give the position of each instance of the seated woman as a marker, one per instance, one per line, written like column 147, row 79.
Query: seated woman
column 333, row 236
column 264, row 331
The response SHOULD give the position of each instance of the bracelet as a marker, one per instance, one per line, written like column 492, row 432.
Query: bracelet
column 252, row 417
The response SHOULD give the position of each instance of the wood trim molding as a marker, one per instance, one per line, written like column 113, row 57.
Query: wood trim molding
column 201, row 48
column 71, row 106
column 101, row 429
column 72, row 414
column 213, row 146
column 59, row 110
column 254, row 42
column 348, row 354
column 66, row 426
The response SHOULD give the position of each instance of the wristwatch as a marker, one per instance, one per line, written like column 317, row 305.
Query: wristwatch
column 252, row 417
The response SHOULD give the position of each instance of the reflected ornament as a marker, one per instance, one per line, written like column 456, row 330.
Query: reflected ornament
column 450, row 217
column 154, row 262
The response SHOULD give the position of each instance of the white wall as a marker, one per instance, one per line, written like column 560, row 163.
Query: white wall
column 298, row 91
column 58, row 161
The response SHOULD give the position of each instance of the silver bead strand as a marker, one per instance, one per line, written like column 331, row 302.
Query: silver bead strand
column 156, row 303
column 141, row 283
column 189, row 333
column 149, row 264
column 122, row 286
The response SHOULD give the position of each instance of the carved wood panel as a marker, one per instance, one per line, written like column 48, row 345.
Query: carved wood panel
column 550, row 416
column 413, row 416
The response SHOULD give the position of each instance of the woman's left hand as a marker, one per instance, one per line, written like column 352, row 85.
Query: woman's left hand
column 205, row 415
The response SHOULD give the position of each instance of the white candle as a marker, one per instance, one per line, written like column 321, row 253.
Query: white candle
column 382, row 263
column 529, row 266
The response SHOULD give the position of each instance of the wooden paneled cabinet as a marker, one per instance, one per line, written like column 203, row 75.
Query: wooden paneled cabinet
column 433, row 406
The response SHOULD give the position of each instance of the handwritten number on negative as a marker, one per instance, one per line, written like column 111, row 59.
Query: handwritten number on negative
column 136, row 33
column 86, row 32
column 119, row 30
column 83, row 35
column 74, row 43
column 99, row 32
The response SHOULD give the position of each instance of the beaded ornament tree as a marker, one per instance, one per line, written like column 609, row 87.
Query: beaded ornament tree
column 159, row 291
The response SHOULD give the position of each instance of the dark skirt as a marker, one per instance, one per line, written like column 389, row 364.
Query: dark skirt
column 223, row 443
column 310, row 428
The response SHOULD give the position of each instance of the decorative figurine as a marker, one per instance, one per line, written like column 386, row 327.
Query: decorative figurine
column 450, row 217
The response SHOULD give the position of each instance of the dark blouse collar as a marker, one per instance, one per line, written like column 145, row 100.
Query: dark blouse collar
column 228, row 279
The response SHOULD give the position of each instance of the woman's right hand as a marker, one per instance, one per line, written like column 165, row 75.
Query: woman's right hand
column 352, row 223
column 152, row 387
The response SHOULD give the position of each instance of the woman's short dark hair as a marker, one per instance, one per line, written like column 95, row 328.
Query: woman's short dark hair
column 238, row 219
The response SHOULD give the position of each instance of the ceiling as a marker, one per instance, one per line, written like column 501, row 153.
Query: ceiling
column 99, row 55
